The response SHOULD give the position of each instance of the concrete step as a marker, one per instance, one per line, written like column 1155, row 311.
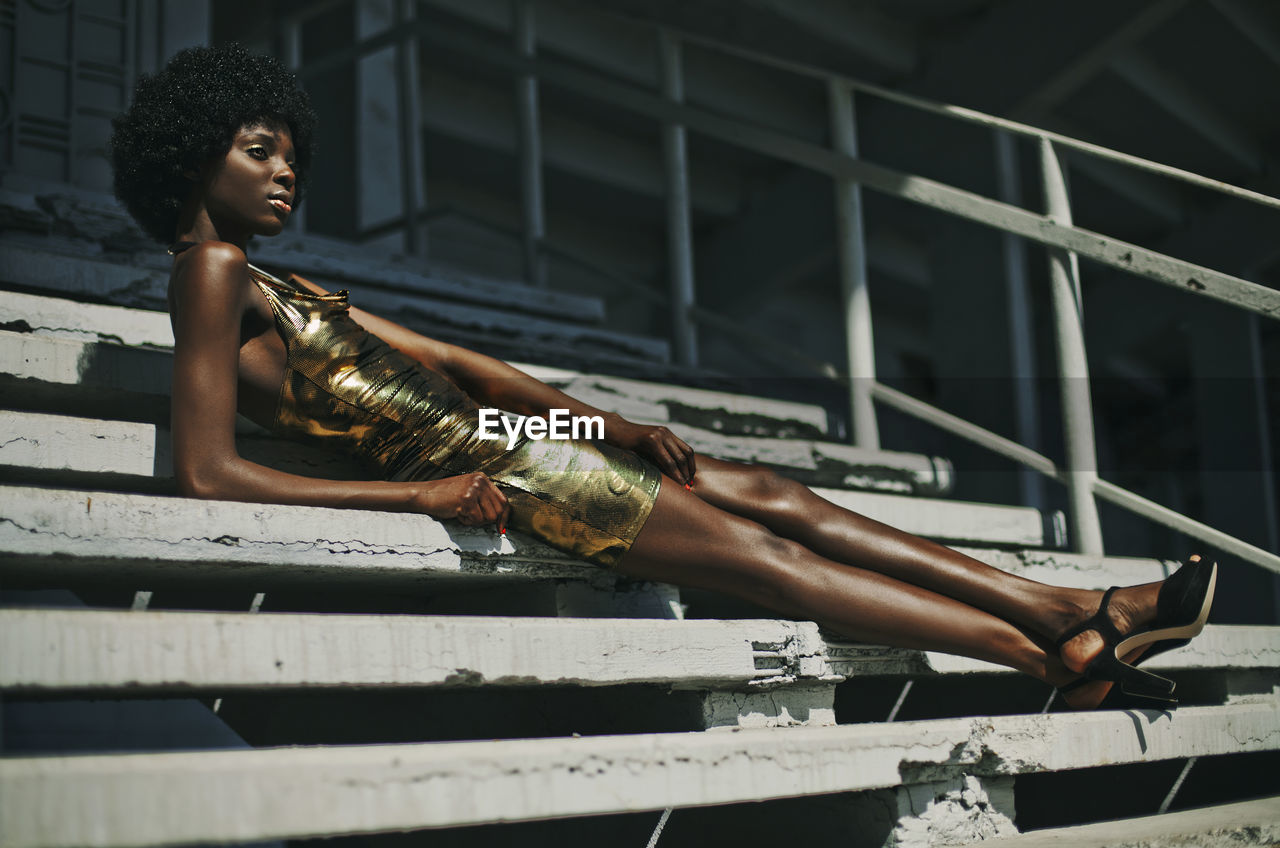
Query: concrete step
column 84, row 449
column 1220, row 647
column 218, row 796
column 44, row 650
column 655, row 402
column 1246, row 823
column 52, row 649
column 126, row 284
column 130, row 383
column 336, row 265
column 331, row 258
column 51, row 534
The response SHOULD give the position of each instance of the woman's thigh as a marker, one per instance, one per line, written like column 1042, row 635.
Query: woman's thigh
column 754, row 492
column 690, row 542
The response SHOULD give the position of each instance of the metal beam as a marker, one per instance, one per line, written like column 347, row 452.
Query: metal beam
column 852, row 253
column 529, row 142
column 481, row 114
column 973, row 116
column 629, row 252
column 1138, row 188
column 857, row 27
column 412, row 171
column 1107, row 491
column 1252, row 26
column 476, row 48
column 1073, row 369
column 964, row 204
column 1022, row 348
column 1087, row 65
column 675, row 157
column 1179, row 100
column 625, row 50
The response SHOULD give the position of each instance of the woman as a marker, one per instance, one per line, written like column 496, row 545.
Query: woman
column 214, row 151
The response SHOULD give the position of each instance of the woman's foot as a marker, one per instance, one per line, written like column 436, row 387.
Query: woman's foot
column 1089, row 694
column 1131, row 607
column 1131, row 623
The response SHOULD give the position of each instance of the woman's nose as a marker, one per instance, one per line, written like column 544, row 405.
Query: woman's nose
column 285, row 176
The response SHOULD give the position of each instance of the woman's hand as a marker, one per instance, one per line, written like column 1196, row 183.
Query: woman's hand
column 656, row 443
column 472, row 499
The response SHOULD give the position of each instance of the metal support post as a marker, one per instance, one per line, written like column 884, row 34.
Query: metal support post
column 852, row 249
column 1021, row 346
column 530, row 142
column 679, row 226
column 1073, row 367
column 412, row 191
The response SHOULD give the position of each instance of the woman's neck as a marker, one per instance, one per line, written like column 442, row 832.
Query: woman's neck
column 195, row 225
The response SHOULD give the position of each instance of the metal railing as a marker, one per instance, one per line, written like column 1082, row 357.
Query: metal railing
column 851, row 173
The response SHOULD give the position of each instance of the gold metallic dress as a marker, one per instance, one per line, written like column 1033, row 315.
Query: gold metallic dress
column 346, row 388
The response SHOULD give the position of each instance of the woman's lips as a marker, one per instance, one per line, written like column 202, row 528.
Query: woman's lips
column 280, row 204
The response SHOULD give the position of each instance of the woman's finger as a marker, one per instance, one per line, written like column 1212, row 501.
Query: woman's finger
column 665, row 462
column 506, row 510
column 683, row 458
column 680, row 454
column 495, row 506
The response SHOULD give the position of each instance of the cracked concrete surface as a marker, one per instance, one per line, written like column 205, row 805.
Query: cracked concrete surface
column 55, row 531
column 295, row 792
column 958, row 811
column 89, row 366
column 28, row 263
column 98, row 649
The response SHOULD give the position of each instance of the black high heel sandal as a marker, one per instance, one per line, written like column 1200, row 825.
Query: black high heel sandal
column 1182, row 608
column 1117, row 699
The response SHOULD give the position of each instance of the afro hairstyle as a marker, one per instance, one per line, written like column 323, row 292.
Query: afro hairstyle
column 189, row 113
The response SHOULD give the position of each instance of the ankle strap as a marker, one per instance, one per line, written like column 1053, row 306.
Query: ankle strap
column 1099, row 621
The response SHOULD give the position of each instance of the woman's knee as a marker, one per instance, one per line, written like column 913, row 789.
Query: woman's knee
column 771, row 492
column 773, row 569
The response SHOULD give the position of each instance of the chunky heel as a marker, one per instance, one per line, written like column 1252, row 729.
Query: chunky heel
column 1131, row 680
column 1130, row 692
column 1119, row 700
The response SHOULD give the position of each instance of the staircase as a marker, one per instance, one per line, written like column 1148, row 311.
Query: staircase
column 178, row 671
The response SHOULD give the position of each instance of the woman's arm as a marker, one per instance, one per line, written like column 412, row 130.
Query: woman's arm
column 495, row 383
column 209, row 291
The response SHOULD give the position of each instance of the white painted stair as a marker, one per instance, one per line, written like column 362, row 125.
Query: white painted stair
column 427, row 639
column 235, row 796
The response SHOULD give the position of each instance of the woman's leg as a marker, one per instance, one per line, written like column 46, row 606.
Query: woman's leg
column 689, row 542
column 792, row 511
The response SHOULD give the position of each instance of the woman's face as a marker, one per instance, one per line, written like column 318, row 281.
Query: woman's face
column 251, row 190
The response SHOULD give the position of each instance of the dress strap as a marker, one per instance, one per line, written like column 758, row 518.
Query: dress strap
column 276, row 281
column 295, row 288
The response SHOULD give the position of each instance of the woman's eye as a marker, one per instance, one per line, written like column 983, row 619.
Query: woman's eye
column 258, row 152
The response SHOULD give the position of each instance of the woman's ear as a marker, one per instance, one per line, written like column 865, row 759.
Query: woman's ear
column 198, row 173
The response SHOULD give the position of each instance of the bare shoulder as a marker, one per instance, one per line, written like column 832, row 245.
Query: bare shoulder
column 210, row 271
column 211, row 260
